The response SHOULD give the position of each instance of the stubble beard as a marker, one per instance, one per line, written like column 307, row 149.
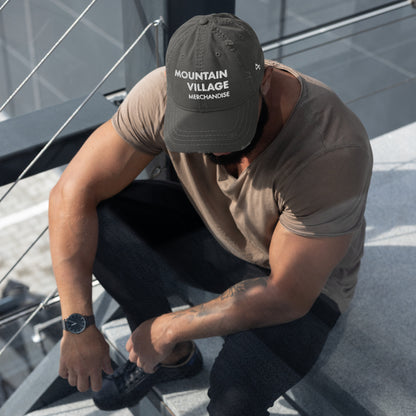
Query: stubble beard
column 236, row 157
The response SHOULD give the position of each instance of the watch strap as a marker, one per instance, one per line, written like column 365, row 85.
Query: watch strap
column 89, row 320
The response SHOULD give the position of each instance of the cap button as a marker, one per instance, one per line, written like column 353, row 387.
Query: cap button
column 203, row 20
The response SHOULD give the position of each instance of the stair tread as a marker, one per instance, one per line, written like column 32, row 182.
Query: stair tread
column 77, row 404
column 187, row 396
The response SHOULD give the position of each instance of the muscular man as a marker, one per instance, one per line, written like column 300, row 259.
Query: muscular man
column 269, row 213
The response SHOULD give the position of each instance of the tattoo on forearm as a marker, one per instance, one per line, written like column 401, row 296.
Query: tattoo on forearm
column 194, row 312
column 243, row 286
column 233, row 292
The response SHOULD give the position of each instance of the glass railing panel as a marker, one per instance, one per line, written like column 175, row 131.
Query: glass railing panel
column 369, row 64
column 277, row 18
column 29, row 29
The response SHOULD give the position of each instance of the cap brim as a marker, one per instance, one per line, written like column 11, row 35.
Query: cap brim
column 212, row 131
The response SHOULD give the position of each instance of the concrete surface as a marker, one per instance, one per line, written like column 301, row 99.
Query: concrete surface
column 368, row 366
column 186, row 397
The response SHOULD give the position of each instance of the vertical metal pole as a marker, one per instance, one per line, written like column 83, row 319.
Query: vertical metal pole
column 151, row 52
column 157, row 46
column 179, row 11
column 3, row 5
column 282, row 21
column 136, row 16
column 6, row 77
column 32, row 53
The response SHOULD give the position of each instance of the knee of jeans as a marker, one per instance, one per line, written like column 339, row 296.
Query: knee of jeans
column 105, row 209
column 112, row 232
column 231, row 400
column 244, row 380
column 110, row 222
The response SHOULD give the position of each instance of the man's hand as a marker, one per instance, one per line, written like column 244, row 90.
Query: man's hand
column 83, row 358
column 300, row 267
column 149, row 343
column 73, row 227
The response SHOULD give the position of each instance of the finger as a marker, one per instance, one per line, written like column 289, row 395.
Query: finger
column 63, row 372
column 83, row 383
column 147, row 368
column 107, row 367
column 133, row 357
column 96, row 381
column 129, row 344
column 72, row 379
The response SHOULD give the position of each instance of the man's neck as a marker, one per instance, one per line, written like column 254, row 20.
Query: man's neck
column 280, row 100
column 237, row 168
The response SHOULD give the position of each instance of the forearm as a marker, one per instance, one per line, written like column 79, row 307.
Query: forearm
column 73, row 232
column 249, row 304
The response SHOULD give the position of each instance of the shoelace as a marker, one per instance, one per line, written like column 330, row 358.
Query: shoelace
column 127, row 375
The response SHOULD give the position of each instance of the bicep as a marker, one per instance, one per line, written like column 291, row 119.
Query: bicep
column 104, row 165
column 300, row 266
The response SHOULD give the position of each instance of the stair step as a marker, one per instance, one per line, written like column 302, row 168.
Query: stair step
column 188, row 396
column 77, row 404
column 182, row 397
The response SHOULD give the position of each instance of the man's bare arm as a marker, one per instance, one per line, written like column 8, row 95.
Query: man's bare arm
column 103, row 166
column 299, row 269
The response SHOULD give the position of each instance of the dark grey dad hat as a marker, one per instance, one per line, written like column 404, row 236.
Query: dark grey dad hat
column 214, row 68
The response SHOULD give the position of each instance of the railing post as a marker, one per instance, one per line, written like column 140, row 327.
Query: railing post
column 151, row 51
column 138, row 13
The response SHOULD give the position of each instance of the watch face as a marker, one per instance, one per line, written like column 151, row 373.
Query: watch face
column 75, row 323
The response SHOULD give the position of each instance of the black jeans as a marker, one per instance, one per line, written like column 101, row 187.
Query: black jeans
column 149, row 234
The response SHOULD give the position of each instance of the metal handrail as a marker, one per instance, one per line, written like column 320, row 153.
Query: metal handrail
column 23, row 255
column 350, row 35
column 28, row 320
column 53, row 293
column 25, row 310
column 3, row 5
column 337, row 24
column 46, row 56
column 155, row 23
column 30, row 308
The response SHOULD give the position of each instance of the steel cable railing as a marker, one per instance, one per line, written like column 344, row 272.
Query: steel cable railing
column 70, row 118
column 393, row 6
column 77, row 110
column 26, row 310
column 4, row 5
column 46, row 56
column 155, row 24
column 348, row 36
column 28, row 320
column 23, row 255
column 320, row 30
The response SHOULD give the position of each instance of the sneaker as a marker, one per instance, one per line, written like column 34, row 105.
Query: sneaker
column 129, row 383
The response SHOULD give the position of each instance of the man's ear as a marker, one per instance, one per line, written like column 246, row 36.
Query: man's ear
column 267, row 81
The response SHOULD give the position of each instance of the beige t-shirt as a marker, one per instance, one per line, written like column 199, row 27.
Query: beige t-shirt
column 313, row 177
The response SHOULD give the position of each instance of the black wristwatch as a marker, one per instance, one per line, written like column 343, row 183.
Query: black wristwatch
column 77, row 323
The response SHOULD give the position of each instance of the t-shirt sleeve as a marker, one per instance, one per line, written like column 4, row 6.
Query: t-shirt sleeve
column 139, row 119
column 327, row 197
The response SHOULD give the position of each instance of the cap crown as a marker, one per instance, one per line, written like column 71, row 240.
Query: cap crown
column 213, row 63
